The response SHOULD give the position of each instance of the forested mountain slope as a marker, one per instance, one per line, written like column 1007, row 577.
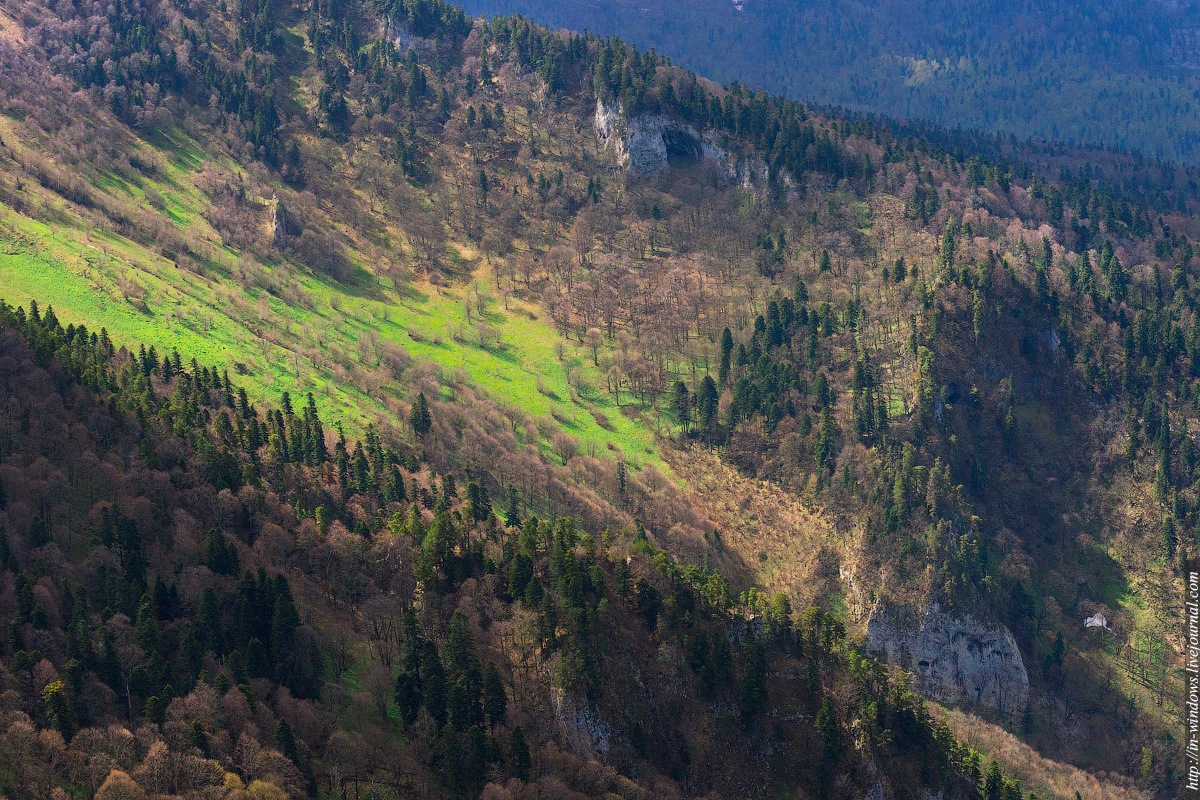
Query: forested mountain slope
column 208, row 602
column 1111, row 74
column 892, row 373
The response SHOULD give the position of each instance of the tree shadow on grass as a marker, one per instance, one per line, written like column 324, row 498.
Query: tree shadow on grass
column 500, row 352
column 174, row 143
column 350, row 279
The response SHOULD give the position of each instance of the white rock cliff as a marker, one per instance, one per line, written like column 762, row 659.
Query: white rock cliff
column 645, row 143
column 954, row 658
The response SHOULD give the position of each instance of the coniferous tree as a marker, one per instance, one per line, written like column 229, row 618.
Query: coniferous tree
column 198, row 738
column 681, row 404
column 495, row 699
column 726, row 354
column 433, row 682
column 827, row 728
column 419, row 417
column 519, row 758
column 512, row 514
column 58, row 709
column 993, row 783
column 285, row 740
column 707, row 398
column 753, row 690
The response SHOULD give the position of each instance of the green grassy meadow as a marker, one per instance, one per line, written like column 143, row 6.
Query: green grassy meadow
column 271, row 345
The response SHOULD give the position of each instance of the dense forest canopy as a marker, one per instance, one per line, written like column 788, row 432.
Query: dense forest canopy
column 209, row 603
column 373, row 417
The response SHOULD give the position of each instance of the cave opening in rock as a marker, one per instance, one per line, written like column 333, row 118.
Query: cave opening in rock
column 683, row 149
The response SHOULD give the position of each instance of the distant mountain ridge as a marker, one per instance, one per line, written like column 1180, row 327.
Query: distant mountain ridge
column 1116, row 75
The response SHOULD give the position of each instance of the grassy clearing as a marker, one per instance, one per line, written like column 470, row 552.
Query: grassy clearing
column 313, row 340
column 270, row 345
column 86, row 277
column 515, row 357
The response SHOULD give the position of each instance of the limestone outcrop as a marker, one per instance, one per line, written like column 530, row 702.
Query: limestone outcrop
column 954, row 657
column 646, row 143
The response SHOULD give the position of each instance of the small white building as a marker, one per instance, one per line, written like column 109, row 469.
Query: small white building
column 1097, row 620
